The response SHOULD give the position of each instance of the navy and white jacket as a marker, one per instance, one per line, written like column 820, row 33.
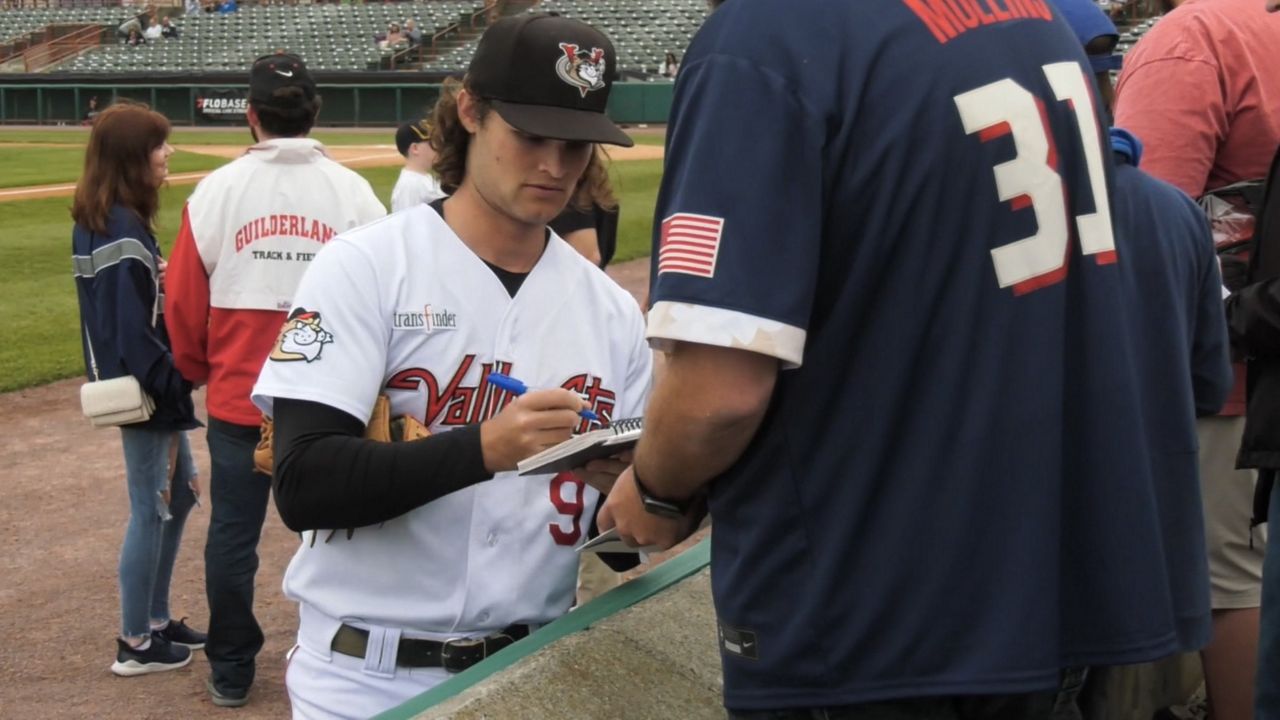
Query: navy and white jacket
column 121, row 308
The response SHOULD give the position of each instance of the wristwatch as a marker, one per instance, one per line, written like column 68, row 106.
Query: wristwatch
column 662, row 508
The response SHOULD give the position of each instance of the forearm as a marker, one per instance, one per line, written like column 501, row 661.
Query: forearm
column 707, row 407
column 328, row 476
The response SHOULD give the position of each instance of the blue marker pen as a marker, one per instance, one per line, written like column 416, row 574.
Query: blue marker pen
column 515, row 387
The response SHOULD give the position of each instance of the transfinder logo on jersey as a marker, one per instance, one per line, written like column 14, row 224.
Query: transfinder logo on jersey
column 581, row 69
column 427, row 320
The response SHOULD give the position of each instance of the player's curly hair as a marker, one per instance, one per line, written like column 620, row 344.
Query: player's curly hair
column 596, row 185
column 450, row 141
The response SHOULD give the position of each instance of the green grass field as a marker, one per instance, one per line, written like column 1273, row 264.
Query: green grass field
column 183, row 136
column 32, row 165
column 39, row 339
column 636, row 185
column 186, row 136
column 648, row 139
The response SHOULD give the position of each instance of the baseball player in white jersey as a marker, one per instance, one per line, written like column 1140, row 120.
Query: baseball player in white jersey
column 416, row 184
column 248, row 233
column 447, row 555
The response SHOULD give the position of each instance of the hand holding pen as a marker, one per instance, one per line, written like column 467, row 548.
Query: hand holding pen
column 533, row 422
column 517, row 388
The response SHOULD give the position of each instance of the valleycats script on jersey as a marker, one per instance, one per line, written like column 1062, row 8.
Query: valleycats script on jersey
column 456, row 404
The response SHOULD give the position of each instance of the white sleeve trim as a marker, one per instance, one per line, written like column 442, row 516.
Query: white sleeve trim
column 671, row 322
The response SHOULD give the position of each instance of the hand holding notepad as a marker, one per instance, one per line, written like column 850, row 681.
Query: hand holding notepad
column 579, row 449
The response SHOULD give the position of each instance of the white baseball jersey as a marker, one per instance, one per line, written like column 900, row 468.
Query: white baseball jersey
column 257, row 239
column 402, row 306
column 414, row 188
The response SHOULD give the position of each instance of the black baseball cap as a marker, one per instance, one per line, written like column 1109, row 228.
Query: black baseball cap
column 410, row 133
column 275, row 71
column 548, row 76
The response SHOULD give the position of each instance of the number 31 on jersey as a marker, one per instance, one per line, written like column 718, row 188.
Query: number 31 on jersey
column 1031, row 178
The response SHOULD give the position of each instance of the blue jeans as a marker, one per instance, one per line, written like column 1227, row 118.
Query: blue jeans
column 239, row 496
column 155, row 527
column 1267, row 706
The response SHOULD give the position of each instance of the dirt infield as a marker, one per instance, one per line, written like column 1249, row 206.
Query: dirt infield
column 62, row 523
column 353, row 156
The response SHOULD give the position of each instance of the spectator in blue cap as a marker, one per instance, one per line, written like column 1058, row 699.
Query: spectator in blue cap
column 1099, row 37
column 1169, row 229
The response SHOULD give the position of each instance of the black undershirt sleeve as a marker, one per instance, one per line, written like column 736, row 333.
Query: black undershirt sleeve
column 327, row 476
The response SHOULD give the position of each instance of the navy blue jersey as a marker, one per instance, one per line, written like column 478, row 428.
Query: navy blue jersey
column 905, row 203
column 1177, row 298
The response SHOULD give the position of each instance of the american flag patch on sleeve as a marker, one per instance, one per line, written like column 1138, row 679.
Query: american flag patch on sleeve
column 690, row 244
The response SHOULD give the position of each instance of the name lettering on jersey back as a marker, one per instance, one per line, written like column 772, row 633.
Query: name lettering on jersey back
column 283, row 225
column 428, row 320
column 948, row 19
column 454, row 403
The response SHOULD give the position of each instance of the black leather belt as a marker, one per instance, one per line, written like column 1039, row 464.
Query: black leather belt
column 452, row 655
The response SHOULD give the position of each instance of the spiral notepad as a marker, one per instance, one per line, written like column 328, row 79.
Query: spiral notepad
column 579, row 449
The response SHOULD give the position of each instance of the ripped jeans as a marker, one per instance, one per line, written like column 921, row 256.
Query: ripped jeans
column 155, row 526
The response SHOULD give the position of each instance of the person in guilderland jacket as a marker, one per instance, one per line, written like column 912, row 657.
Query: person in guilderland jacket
column 119, row 276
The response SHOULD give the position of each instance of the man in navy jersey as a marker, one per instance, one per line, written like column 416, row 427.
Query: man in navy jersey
column 907, row 374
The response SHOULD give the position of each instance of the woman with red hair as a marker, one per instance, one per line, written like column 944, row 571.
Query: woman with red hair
column 120, row 285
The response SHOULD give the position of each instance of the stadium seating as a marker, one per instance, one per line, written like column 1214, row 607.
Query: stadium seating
column 1129, row 35
column 328, row 37
column 18, row 22
column 341, row 37
column 643, row 31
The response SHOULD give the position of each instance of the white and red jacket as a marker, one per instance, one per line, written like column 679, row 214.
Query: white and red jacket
column 249, row 231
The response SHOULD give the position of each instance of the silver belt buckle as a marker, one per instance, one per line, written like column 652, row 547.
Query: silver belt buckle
column 463, row 650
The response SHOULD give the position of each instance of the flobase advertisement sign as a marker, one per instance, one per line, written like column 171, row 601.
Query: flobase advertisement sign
column 227, row 106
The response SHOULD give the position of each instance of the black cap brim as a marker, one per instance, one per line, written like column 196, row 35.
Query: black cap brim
column 559, row 123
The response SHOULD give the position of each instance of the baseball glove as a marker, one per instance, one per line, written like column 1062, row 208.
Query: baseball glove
column 382, row 427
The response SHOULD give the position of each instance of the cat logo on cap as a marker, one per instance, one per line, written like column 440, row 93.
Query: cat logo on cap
column 581, row 69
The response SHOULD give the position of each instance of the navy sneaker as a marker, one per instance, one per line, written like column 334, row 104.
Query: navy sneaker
column 226, row 698
column 159, row 656
column 178, row 632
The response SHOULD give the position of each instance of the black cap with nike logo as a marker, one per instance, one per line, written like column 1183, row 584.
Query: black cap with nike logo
column 275, row 71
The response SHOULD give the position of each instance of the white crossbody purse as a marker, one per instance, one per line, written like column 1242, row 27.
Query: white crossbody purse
column 118, row 401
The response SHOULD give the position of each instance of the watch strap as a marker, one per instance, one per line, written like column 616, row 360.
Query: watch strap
column 657, row 505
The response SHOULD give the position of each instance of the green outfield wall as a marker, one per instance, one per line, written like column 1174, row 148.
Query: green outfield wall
column 345, row 104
